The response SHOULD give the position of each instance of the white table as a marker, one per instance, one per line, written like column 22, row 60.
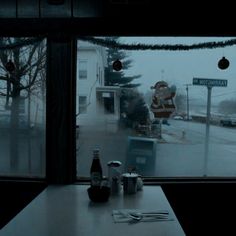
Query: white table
column 67, row 211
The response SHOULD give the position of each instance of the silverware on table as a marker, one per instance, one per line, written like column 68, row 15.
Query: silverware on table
column 140, row 216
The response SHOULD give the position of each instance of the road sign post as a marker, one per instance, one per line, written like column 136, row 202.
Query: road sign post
column 209, row 83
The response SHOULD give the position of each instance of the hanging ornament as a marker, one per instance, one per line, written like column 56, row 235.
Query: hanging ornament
column 10, row 66
column 223, row 63
column 117, row 65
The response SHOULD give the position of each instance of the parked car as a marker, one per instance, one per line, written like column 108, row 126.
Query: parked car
column 228, row 122
column 177, row 117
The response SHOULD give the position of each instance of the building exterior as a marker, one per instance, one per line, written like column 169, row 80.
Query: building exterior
column 97, row 105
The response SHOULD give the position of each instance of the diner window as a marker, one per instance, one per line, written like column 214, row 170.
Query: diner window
column 22, row 107
column 172, row 112
column 83, row 69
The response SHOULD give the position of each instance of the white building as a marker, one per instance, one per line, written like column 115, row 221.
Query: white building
column 97, row 105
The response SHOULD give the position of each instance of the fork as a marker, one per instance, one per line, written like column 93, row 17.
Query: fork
column 139, row 216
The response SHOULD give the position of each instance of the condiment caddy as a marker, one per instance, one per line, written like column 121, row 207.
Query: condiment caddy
column 101, row 189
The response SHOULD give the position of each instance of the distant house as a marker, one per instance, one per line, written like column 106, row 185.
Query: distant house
column 97, row 105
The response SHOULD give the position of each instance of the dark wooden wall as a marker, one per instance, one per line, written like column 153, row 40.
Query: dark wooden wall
column 204, row 208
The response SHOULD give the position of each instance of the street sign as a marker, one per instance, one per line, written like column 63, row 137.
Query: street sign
column 210, row 82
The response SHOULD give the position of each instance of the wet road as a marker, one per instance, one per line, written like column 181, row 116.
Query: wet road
column 180, row 155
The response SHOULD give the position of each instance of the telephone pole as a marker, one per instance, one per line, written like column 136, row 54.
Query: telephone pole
column 187, row 100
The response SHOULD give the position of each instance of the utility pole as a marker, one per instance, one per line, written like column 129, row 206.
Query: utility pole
column 187, row 100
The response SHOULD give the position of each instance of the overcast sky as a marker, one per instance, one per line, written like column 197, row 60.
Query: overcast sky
column 179, row 67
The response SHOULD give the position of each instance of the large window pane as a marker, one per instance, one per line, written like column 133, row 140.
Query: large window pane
column 22, row 107
column 149, row 114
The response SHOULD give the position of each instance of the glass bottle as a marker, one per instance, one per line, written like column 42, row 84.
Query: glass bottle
column 96, row 169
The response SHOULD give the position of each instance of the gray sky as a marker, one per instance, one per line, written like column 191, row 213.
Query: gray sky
column 179, row 67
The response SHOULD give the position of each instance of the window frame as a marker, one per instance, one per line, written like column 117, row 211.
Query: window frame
column 84, row 75
column 128, row 26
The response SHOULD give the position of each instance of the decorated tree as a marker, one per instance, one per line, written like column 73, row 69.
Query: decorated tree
column 133, row 108
column 115, row 77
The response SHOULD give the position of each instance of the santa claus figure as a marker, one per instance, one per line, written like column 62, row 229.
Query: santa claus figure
column 162, row 101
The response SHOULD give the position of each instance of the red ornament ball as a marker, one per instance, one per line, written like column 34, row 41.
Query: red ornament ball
column 10, row 66
column 223, row 63
column 117, row 65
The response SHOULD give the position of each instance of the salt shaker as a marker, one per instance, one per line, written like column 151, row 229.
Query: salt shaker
column 114, row 176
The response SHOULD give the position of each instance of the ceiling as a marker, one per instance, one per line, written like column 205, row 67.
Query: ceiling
column 45, row 9
column 117, row 17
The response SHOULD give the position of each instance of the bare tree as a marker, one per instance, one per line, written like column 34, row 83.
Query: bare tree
column 20, row 70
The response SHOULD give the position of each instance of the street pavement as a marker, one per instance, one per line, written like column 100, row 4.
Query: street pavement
column 179, row 153
column 113, row 146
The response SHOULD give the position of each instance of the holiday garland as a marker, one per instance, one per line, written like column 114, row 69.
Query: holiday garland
column 121, row 46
